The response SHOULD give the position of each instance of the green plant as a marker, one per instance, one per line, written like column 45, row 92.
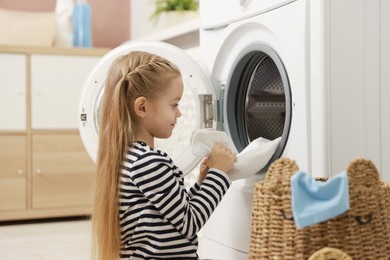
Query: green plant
column 173, row 5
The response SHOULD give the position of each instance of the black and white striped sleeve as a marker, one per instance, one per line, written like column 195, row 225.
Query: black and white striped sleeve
column 194, row 189
column 155, row 177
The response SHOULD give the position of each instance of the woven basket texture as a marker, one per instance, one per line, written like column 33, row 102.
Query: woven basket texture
column 328, row 253
column 363, row 232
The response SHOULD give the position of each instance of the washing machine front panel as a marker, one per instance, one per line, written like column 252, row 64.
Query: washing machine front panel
column 260, row 64
column 234, row 11
column 257, row 102
column 280, row 36
column 195, row 105
column 255, row 89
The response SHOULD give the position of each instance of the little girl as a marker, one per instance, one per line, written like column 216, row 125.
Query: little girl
column 141, row 208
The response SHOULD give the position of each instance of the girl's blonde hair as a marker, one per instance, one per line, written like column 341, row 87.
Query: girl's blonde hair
column 129, row 77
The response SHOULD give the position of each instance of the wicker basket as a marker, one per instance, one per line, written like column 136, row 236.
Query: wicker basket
column 363, row 232
column 328, row 253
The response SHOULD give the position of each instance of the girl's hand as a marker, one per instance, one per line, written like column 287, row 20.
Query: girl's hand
column 221, row 158
column 204, row 168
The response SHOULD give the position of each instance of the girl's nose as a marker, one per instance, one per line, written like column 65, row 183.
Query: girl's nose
column 178, row 114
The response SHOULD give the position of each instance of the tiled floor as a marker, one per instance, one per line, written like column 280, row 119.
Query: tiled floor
column 68, row 239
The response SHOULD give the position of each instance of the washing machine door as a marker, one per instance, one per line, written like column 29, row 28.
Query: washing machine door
column 196, row 104
column 258, row 99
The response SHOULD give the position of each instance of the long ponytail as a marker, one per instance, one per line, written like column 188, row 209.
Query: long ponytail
column 130, row 76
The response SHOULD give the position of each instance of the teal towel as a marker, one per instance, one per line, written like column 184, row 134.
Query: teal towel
column 313, row 202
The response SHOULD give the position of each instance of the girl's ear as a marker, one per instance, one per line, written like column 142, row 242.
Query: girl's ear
column 140, row 107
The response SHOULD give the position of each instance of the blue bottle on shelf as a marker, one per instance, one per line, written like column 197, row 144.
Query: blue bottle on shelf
column 82, row 35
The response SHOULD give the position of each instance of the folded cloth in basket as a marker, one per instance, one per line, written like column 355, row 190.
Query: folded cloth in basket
column 313, row 202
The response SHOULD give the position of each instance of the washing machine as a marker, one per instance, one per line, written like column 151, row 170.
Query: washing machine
column 255, row 55
column 266, row 69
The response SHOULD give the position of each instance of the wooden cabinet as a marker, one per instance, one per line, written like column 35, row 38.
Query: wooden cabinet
column 56, row 84
column 13, row 91
column 62, row 172
column 45, row 170
column 13, row 174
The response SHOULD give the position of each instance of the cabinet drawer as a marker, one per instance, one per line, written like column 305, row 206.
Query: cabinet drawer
column 12, row 172
column 13, row 83
column 62, row 171
column 56, row 84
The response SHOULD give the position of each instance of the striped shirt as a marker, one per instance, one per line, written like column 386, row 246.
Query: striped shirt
column 159, row 219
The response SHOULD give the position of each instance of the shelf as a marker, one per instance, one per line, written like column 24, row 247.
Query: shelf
column 53, row 50
column 173, row 32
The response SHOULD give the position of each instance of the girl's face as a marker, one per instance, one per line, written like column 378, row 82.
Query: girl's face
column 163, row 112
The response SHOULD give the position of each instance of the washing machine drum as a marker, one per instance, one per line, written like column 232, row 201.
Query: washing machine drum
column 259, row 100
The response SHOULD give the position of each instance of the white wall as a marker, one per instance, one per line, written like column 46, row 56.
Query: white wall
column 141, row 24
column 140, row 11
column 177, row 28
column 385, row 89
